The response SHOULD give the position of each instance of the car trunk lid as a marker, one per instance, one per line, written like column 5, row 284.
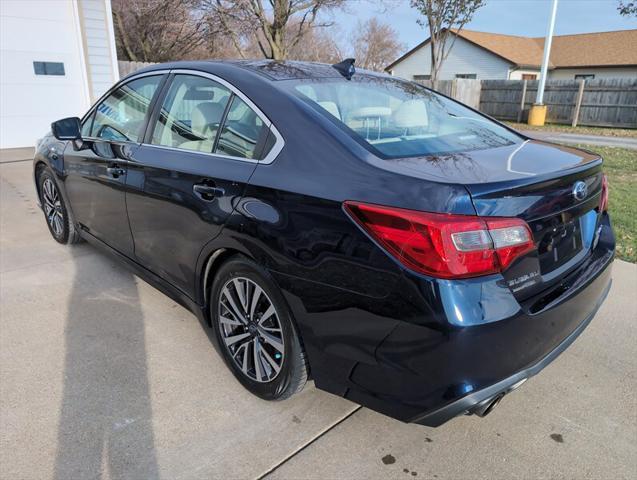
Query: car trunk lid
column 524, row 162
column 559, row 203
column 531, row 180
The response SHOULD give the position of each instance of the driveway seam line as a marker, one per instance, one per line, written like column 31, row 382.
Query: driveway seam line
column 307, row 444
column 16, row 161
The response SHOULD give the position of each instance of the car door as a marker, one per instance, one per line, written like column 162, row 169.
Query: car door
column 201, row 147
column 96, row 176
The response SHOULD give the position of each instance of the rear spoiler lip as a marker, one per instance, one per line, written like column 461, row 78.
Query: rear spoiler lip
column 480, row 189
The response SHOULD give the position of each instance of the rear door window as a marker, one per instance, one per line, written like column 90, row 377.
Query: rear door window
column 242, row 132
column 121, row 116
column 191, row 114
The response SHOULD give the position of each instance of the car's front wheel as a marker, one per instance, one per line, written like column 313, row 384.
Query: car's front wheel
column 56, row 213
column 255, row 331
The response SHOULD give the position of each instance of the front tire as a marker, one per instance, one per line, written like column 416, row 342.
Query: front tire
column 255, row 331
column 57, row 216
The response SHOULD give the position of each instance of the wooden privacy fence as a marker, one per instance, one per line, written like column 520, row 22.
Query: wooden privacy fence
column 126, row 68
column 464, row 90
column 606, row 103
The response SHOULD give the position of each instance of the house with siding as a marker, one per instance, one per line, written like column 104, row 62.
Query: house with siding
column 56, row 58
column 494, row 56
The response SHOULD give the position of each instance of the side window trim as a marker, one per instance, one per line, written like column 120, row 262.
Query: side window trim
column 161, row 88
column 157, row 102
column 91, row 111
column 91, row 120
column 156, row 105
column 222, row 123
column 262, row 141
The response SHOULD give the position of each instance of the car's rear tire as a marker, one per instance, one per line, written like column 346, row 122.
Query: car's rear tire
column 255, row 330
column 57, row 215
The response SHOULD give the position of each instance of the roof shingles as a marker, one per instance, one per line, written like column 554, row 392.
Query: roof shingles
column 609, row 49
column 518, row 50
column 594, row 49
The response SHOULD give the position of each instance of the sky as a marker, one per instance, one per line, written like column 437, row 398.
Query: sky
column 513, row 17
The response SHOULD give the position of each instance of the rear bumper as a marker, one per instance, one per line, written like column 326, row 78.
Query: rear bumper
column 431, row 349
column 465, row 404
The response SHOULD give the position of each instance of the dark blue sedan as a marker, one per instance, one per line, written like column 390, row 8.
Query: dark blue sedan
column 400, row 249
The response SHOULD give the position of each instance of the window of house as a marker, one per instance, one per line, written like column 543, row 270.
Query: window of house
column 422, row 77
column 48, row 68
column 529, row 76
column 467, row 75
column 191, row 114
column 585, row 76
column 121, row 116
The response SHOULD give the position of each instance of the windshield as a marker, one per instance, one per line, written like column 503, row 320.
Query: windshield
column 402, row 119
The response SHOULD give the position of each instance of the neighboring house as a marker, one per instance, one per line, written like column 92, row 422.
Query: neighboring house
column 493, row 56
column 56, row 58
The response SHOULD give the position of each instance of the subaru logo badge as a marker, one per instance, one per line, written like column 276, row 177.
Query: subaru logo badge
column 580, row 190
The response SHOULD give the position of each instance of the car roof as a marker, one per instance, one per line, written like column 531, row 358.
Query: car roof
column 270, row 69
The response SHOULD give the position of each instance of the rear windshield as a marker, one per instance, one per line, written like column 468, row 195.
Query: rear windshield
column 401, row 119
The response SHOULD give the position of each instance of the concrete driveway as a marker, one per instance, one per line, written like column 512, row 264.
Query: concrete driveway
column 102, row 376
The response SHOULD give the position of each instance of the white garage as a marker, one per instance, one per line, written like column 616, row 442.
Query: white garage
column 56, row 58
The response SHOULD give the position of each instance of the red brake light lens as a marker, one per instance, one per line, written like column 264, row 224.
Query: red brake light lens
column 444, row 245
column 603, row 199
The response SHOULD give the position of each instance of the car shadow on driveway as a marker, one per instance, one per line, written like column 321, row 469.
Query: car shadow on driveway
column 105, row 425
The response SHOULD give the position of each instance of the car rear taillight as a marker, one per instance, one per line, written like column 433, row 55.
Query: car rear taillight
column 444, row 245
column 603, row 198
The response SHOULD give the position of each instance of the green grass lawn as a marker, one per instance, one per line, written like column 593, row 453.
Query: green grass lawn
column 602, row 131
column 620, row 165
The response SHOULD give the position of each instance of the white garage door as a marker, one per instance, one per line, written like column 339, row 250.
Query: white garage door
column 42, row 77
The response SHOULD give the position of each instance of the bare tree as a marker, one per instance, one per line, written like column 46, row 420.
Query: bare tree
column 441, row 16
column 317, row 45
column 627, row 9
column 376, row 45
column 277, row 29
column 158, row 30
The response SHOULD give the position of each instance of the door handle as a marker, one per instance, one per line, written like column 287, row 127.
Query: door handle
column 115, row 171
column 207, row 192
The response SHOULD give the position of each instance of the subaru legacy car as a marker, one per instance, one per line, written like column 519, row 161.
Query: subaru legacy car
column 398, row 248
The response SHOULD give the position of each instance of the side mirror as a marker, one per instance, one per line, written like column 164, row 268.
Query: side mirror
column 67, row 129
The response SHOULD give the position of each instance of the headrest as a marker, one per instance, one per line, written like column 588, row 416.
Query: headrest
column 204, row 117
column 370, row 112
column 410, row 114
column 199, row 93
column 308, row 91
column 332, row 108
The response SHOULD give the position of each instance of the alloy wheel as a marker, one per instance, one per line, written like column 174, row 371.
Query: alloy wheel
column 52, row 207
column 251, row 329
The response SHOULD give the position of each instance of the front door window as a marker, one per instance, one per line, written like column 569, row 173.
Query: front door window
column 121, row 116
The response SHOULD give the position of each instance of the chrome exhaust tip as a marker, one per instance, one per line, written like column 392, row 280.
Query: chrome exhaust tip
column 485, row 407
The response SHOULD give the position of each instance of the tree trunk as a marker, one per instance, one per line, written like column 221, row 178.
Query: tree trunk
column 279, row 23
column 433, row 45
column 277, row 47
column 434, row 67
column 121, row 30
